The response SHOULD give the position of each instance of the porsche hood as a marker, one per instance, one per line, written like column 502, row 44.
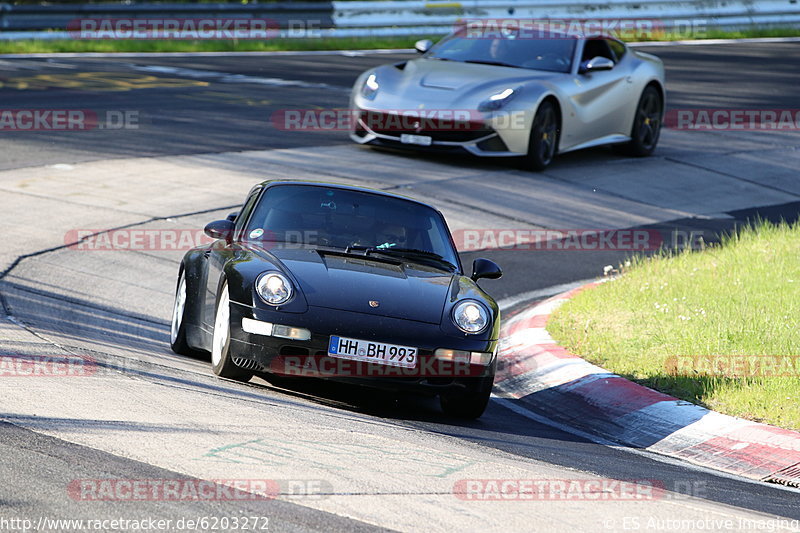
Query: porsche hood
column 367, row 285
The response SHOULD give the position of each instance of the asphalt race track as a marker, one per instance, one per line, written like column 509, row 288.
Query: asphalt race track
column 346, row 460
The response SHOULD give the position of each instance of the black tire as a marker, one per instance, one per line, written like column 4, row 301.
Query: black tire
column 469, row 405
column 543, row 141
column 177, row 337
column 221, row 362
column 646, row 124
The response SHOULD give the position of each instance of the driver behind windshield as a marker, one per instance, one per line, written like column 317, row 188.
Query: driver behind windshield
column 391, row 235
column 498, row 48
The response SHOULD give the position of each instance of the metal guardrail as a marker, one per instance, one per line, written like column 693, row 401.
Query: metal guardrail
column 440, row 14
column 20, row 18
column 405, row 17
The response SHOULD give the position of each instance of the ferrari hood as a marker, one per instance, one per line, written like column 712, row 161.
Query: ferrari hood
column 445, row 83
column 366, row 285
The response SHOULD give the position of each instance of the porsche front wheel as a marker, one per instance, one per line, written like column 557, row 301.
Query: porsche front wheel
column 177, row 334
column 543, row 142
column 221, row 362
column 468, row 405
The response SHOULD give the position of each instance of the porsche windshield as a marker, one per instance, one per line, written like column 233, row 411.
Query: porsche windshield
column 552, row 54
column 350, row 220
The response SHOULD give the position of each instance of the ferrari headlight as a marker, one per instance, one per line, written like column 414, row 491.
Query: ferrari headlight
column 274, row 288
column 470, row 316
column 370, row 87
column 497, row 101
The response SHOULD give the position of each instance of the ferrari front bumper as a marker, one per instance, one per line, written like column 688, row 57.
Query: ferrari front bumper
column 478, row 139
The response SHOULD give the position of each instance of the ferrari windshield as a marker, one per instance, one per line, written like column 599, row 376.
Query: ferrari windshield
column 552, row 54
column 355, row 221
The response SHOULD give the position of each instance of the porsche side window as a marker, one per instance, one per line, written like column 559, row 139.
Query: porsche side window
column 597, row 48
column 618, row 48
column 244, row 214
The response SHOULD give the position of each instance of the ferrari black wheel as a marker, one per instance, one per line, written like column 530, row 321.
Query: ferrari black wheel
column 543, row 142
column 646, row 124
column 221, row 362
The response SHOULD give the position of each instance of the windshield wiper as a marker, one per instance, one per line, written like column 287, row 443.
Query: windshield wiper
column 488, row 62
column 350, row 252
column 405, row 252
column 413, row 252
column 359, row 248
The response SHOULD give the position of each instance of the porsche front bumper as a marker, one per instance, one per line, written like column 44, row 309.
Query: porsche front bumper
column 296, row 353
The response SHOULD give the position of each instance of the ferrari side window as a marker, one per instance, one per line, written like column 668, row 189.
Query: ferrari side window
column 618, row 48
column 597, row 48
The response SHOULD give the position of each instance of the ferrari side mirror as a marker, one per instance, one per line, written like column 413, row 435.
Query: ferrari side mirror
column 423, row 45
column 596, row 64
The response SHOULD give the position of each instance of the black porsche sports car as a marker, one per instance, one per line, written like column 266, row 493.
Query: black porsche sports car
column 343, row 283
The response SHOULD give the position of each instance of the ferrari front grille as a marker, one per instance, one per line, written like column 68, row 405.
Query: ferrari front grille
column 394, row 125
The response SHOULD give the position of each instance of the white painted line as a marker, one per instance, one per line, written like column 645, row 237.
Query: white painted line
column 549, row 306
column 512, row 301
column 227, row 77
column 531, row 336
column 700, row 42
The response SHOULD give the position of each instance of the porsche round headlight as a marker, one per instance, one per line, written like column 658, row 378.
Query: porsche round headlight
column 470, row 316
column 274, row 288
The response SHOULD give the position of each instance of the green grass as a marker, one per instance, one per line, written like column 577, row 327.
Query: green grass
column 48, row 46
column 738, row 299
column 752, row 33
column 350, row 43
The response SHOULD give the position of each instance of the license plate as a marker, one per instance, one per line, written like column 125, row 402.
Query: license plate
column 373, row 352
column 422, row 140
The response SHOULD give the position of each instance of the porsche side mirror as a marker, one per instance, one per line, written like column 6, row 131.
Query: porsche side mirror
column 220, row 229
column 484, row 268
column 232, row 216
column 595, row 64
column 423, row 45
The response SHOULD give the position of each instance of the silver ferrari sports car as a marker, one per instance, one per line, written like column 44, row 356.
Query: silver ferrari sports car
column 513, row 95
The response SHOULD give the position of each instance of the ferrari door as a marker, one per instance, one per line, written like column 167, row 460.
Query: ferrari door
column 600, row 99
